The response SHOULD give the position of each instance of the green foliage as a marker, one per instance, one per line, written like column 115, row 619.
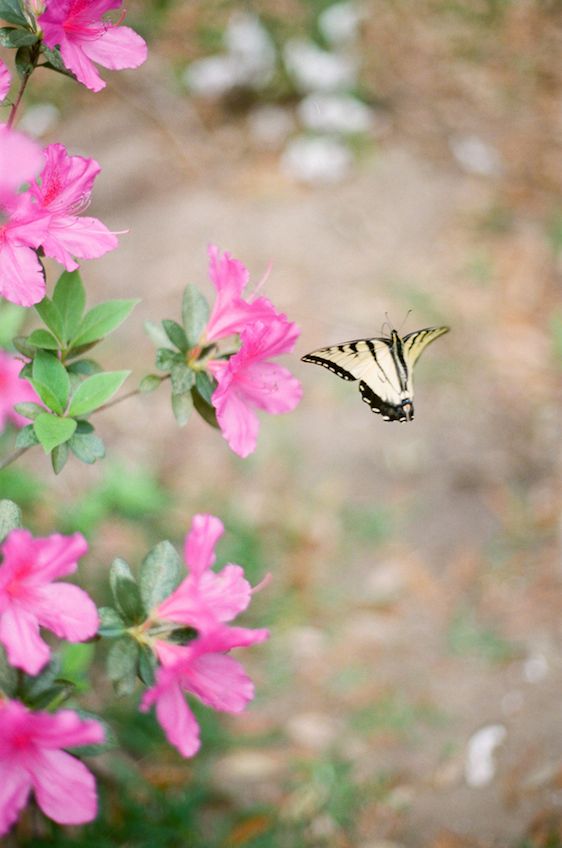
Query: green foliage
column 161, row 572
column 126, row 593
column 51, row 382
column 12, row 11
column 195, row 314
column 11, row 321
column 10, row 517
column 53, row 431
column 112, row 624
column 122, row 665
column 96, row 390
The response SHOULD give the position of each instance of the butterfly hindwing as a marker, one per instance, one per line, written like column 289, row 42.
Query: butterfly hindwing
column 383, row 367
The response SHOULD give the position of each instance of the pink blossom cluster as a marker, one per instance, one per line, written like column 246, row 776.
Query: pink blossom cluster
column 205, row 601
column 46, row 215
column 248, row 380
column 31, row 742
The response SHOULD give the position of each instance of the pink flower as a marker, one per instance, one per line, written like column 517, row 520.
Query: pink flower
column 78, row 28
column 205, row 598
column 31, row 759
column 21, row 275
column 248, row 381
column 202, row 669
column 13, row 390
column 5, row 80
column 29, row 599
column 231, row 312
column 62, row 192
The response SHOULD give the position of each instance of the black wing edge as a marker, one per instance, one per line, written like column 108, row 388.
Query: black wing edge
column 377, row 404
column 326, row 363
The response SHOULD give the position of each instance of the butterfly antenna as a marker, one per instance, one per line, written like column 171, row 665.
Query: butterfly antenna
column 408, row 313
column 388, row 324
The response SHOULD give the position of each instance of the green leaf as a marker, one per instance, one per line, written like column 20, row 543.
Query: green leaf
column 122, row 663
column 50, row 380
column 102, row 320
column 205, row 410
column 24, row 61
column 182, row 406
column 28, row 409
column 160, row 573
column 26, row 437
column 176, row 334
column 166, row 359
column 22, row 346
column 156, row 334
column 52, row 431
column 50, row 316
column 43, row 339
column 69, row 297
column 87, row 447
column 126, row 592
column 85, row 367
column 183, row 379
column 111, row 623
column 12, row 12
column 10, row 517
column 147, row 665
column 95, row 391
column 205, row 385
column 11, row 321
column 59, row 456
column 8, row 675
column 54, row 61
column 10, row 37
column 195, row 314
column 149, row 383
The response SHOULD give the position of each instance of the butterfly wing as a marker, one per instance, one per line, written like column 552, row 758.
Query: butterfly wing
column 415, row 343
column 371, row 361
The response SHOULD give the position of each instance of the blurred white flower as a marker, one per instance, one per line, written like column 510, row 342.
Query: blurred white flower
column 37, row 120
column 314, row 69
column 248, row 41
column 249, row 60
column 338, row 113
column 479, row 768
column 270, row 126
column 316, row 161
column 476, row 156
column 339, row 23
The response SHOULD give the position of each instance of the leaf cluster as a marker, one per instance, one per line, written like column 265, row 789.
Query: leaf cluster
column 128, row 622
column 182, row 355
column 70, row 387
column 24, row 36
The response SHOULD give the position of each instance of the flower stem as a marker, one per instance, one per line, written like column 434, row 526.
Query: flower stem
column 23, row 85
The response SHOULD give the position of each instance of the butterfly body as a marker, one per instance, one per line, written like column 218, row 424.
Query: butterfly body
column 384, row 367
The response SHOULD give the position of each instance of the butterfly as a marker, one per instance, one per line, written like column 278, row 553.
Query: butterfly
column 384, row 367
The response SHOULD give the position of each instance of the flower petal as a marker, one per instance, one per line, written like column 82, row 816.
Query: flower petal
column 66, row 610
column 65, row 789
column 15, row 786
column 69, row 236
column 117, row 48
column 177, row 721
column 5, row 80
column 200, row 542
column 220, row 682
column 21, row 275
column 19, row 633
column 239, row 424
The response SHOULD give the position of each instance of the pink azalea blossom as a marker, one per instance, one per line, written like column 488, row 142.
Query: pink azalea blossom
column 13, row 390
column 248, row 380
column 205, row 598
column 202, row 669
column 62, row 192
column 21, row 276
column 29, row 599
column 31, row 759
column 78, row 29
column 231, row 312
column 5, row 80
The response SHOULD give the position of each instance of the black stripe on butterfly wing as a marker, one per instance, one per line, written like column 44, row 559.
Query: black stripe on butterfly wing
column 389, row 411
column 317, row 359
column 415, row 343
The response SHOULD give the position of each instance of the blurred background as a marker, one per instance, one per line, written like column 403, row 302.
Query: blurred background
column 383, row 156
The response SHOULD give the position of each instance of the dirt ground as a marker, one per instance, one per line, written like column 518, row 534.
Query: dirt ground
column 422, row 562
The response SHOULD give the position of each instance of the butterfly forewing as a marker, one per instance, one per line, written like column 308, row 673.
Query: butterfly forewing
column 383, row 367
